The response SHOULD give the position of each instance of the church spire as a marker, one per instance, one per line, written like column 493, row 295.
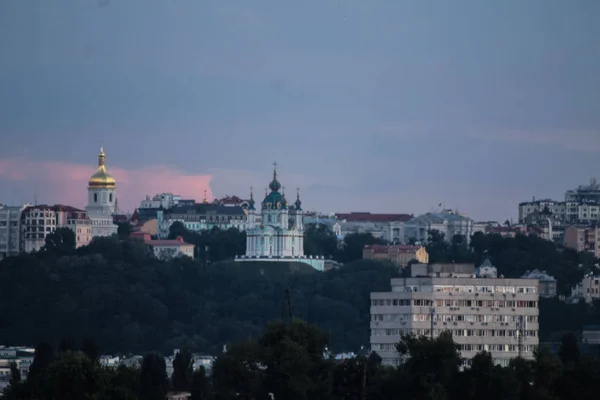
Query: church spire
column 298, row 203
column 101, row 157
column 251, row 202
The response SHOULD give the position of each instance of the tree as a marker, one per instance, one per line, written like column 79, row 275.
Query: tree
column 569, row 352
column 124, row 229
column 319, row 240
column 67, row 344
column 60, row 242
column 183, row 369
column 43, row 356
column 90, row 348
column 432, row 366
column 199, row 384
column 72, row 376
column 153, row 377
column 354, row 244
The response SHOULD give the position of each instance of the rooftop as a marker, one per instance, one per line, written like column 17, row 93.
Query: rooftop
column 204, row 208
column 368, row 217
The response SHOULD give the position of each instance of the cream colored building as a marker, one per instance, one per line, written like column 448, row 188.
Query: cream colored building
column 81, row 225
column 583, row 238
column 399, row 255
column 165, row 249
column 493, row 314
column 39, row 221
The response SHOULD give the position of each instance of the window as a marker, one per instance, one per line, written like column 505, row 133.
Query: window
column 95, row 197
column 110, row 197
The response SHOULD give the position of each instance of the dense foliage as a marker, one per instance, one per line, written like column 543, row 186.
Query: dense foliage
column 291, row 361
column 117, row 292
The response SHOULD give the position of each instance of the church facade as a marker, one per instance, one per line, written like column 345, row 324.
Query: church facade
column 280, row 234
column 102, row 200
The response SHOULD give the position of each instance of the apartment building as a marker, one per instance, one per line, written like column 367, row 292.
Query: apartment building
column 583, row 238
column 10, row 229
column 447, row 222
column 497, row 315
column 389, row 227
column 39, row 221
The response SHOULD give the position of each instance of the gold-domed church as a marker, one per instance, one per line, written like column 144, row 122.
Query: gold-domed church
column 102, row 200
column 280, row 235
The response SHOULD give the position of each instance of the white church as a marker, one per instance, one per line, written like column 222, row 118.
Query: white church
column 280, row 235
column 102, row 200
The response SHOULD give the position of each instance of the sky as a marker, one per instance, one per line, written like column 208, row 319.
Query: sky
column 380, row 105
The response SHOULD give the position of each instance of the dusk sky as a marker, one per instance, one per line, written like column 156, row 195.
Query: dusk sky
column 366, row 105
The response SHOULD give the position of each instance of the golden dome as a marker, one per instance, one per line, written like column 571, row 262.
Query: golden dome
column 101, row 178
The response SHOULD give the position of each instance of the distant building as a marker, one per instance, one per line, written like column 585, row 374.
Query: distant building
column 163, row 200
column 39, row 221
column 547, row 283
column 483, row 314
column 590, row 334
column 398, row 255
column 102, row 200
column 232, row 201
column 10, row 229
column 280, row 236
column 389, row 227
column 504, row 231
column 165, row 249
column 588, row 289
column 583, row 238
column 201, row 217
column 448, row 222
column 486, row 270
column 81, row 225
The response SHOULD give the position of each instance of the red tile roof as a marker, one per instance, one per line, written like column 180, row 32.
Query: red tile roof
column 176, row 242
column 368, row 217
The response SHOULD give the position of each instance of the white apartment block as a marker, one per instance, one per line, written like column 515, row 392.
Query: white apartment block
column 10, row 229
column 497, row 315
column 164, row 200
column 448, row 222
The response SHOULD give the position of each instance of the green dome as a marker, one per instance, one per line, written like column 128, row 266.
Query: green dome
column 275, row 200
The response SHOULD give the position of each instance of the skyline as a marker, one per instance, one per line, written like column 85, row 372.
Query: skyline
column 380, row 107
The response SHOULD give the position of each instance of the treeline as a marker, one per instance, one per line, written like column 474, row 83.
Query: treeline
column 291, row 361
column 118, row 292
column 132, row 303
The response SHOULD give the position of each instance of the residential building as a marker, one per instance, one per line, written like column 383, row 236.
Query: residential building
column 280, row 237
column 583, row 193
column 399, row 255
column 329, row 221
column 583, row 238
column 542, row 208
column 590, row 334
column 165, row 249
column 504, row 231
column 547, row 283
column 163, row 200
column 81, row 225
column 448, row 222
column 497, row 315
column 588, row 289
column 39, row 221
column 201, row 217
column 389, row 227
column 102, row 200
column 10, row 229
column 232, row 201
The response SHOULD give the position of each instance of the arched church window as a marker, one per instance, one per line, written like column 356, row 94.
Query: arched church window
column 110, row 197
column 95, row 197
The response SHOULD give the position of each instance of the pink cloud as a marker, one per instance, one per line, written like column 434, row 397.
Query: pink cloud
column 66, row 183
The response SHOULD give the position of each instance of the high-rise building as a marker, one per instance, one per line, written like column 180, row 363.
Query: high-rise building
column 497, row 315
